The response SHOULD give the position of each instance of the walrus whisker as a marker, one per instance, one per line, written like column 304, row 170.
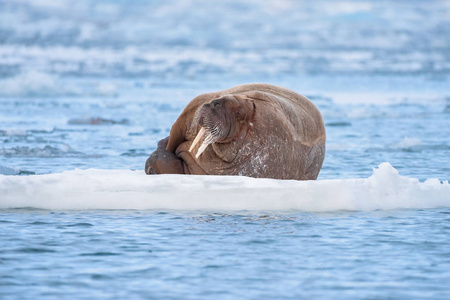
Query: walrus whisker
column 200, row 134
column 215, row 130
column 210, row 138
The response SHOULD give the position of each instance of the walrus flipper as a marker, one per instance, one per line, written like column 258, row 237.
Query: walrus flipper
column 162, row 161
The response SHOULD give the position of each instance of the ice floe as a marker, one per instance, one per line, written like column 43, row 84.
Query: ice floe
column 125, row 189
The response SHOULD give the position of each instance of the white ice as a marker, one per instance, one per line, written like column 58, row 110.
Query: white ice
column 125, row 189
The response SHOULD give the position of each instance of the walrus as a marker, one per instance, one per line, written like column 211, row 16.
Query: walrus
column 256, row 130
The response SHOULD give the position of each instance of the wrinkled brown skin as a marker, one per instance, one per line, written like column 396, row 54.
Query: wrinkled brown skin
column 284, row 138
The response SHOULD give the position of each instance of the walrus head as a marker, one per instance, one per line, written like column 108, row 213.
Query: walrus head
column 219, row 120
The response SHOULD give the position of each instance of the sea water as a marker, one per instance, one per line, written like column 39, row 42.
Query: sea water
column 87, row 88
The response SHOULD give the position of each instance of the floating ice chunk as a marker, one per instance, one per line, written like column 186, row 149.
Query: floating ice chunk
column 124, row 189
column 35, row 83
column 407, row 143
column 107, row 89
column 29, row 83
column 15, row 132
column 8, row 171
column 96, row 121
column 62, row 150
column 12, row 171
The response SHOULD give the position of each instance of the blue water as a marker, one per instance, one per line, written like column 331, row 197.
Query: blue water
column 149, row 255
column 95, row 84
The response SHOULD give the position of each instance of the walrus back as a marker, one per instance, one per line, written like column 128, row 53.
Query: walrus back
column 305, row 118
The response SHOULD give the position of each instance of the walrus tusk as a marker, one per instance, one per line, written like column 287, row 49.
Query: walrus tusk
column 200, row 134
column 209, row 139
column 201, row 149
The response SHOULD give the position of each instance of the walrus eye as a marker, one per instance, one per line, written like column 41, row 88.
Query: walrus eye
column 216, row 104
column 240, row 114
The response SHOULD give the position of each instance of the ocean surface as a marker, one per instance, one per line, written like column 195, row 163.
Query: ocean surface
column 88, row 87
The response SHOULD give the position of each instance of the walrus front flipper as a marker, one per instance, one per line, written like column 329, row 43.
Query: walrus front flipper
column 162, row 161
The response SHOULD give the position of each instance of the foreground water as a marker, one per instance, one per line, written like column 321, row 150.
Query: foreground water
column 400, row 254
column 87, row 88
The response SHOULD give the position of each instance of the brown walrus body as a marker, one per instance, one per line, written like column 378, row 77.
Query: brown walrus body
column 256, row 130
